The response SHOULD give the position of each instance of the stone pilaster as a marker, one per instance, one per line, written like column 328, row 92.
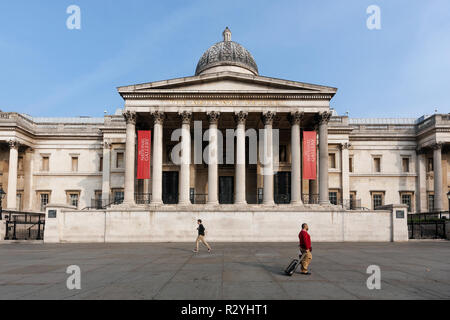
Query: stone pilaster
column 12, row 174
column 421, row 198
column 106, row 174
column 345, row 174
column 437, row 164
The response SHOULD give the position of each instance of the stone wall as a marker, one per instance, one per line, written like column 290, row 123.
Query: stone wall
column 222, row 226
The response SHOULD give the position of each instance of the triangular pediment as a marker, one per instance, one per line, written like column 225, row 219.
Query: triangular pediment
column 227, row 82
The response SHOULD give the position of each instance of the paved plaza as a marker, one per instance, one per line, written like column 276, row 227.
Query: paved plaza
column 414, row 270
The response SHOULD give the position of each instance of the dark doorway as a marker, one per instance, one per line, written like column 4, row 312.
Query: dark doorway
column 282, row 187
column 226, row 190
column 170, row 187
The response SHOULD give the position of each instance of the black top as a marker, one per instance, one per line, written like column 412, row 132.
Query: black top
column 201, row 230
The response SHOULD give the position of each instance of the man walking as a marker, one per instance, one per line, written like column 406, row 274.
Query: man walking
column 201, row 236
column 305, row 249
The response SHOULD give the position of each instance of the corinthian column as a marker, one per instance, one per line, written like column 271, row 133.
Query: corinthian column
column 296, row 168
column 268, row 158
column 130, row 146
column 213, row 159
column 185, row 165
column 437, row 164
column 157, row 157
column 240, row 193
column 12, row 174
column 324, row 118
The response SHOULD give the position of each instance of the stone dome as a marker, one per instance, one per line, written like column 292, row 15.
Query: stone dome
column 227, row 53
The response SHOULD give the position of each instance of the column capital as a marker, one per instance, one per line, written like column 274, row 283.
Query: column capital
column 213, row 117
column 345, row 145
column 437, row 146
column 296, row 117
column 268, row 117
column 241, row 117
column 29, row 150
column 158, row 117
column 324, row 117
column 130, row 117
column 107, row 145
column 13, row 144
column 186, row 117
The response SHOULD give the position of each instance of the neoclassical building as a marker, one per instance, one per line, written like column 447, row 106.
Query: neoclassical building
column 90, row 163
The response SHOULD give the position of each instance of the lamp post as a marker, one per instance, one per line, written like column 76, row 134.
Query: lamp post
column 2, row 194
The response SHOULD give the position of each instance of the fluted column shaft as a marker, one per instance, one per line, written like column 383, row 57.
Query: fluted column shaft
column 296, row 159
column 12, row 175
column 323, row 158
column 240, row 190
column 157, row 159
column 130, row 146
column 213, row 159
column 268, row 158
column 437, row 164
column 185, row 165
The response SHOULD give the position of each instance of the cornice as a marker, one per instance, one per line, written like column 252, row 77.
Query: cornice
column 244, row 96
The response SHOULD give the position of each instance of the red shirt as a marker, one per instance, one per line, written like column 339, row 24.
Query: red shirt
column 305, row 240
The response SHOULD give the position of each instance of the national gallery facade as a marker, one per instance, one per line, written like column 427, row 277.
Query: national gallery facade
column 90, row 164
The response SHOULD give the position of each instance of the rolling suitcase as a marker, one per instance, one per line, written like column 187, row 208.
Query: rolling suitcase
column 292, row 267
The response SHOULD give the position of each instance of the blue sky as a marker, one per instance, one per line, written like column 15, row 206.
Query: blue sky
column 402, row 70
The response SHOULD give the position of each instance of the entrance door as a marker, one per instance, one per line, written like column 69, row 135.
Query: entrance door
column 282, row 187
column 226, row 190
column 170, row 187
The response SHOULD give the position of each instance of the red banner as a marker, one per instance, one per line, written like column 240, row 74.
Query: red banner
column 309, row 155
column 143, row 161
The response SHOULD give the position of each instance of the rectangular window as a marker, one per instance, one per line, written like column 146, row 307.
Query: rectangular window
column 430, row 202
column 377, row 200
column 333, row 195
column 74, row 164
column 20, row 164
column 44, row 200
column 118, row 196
column 405, row 164
column 377, row 164
column 283, row 153
column 119, row 160
column 332, row 161
column 430, row 165
column 406, row 199
column 350, row 164
column 100, row 164
column 73, row 199
column 45, row 163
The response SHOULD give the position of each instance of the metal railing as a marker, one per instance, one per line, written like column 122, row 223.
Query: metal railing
column 142, row 198
column 310, row 198
column 428, row 225
column 24, row 225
